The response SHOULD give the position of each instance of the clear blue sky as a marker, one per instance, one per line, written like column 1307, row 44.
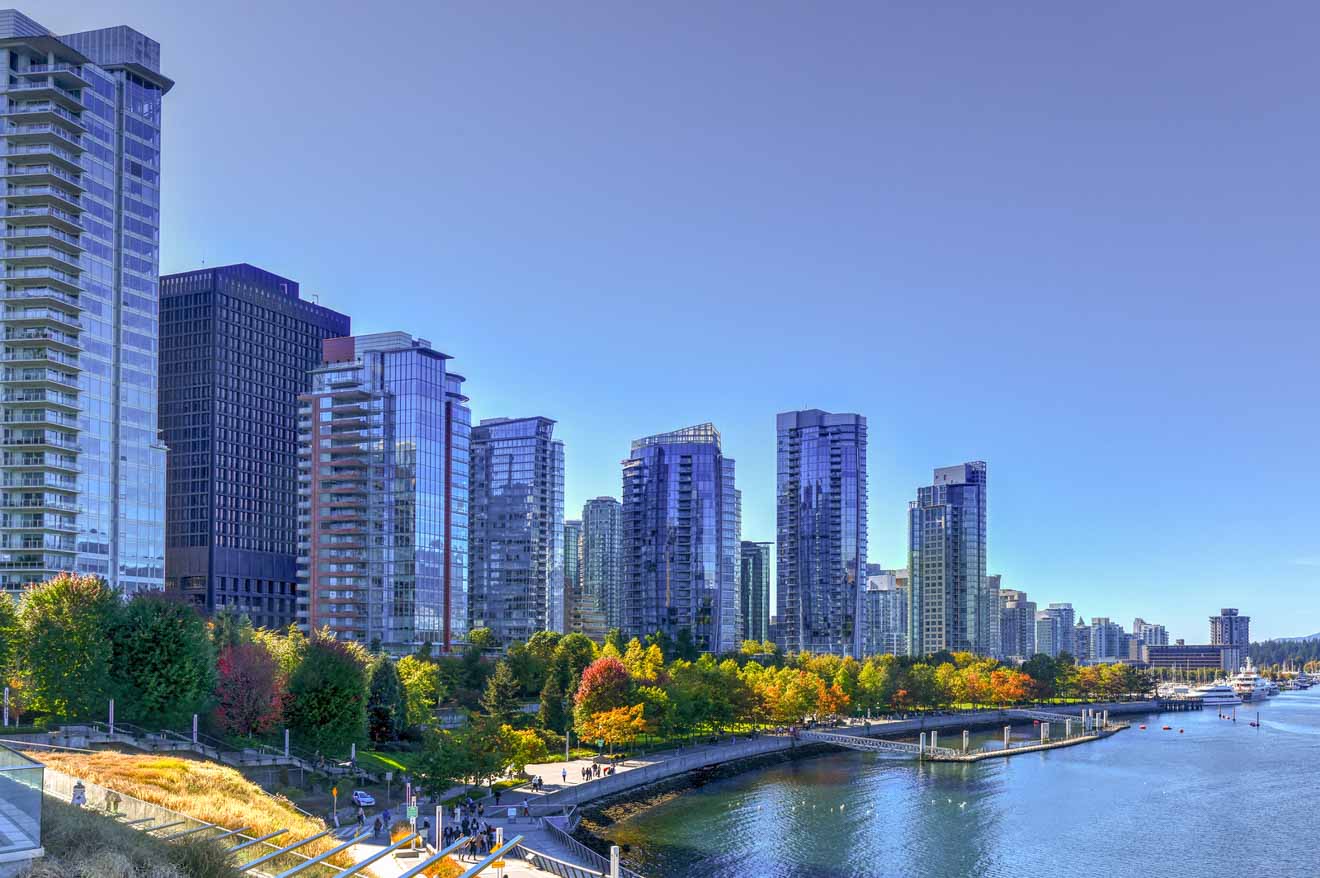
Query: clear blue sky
column 1074, row 240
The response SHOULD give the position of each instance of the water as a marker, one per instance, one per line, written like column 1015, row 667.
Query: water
column 1221, row 799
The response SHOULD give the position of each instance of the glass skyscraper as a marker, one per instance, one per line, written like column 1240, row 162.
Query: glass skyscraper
column 680, row 541
column 754, row 588
column 236, row 349
column 83, row 469
column 884, row 613
column 383, row 495
column 948, row 602
column 517, row 528
column 821, row 528
column 602, row 559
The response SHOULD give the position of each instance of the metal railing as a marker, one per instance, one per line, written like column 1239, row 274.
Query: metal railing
column 584, row 853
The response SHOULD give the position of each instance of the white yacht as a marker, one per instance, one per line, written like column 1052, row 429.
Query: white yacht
column 1217, row 694
column 1250, row 685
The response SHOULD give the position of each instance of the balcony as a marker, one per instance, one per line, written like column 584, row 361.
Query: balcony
column 38, row 481
column 67, row 75
column 40, row 356
column 53, row 257
column 42, row 296
column 45, row 88
column 44, row 215
column 51, row 277
column 42, row 173
column 44, row 112
column 39, row 418
column 43, row 133
column 42, row 440
column 40, row 235
column 65, row 381
column 42, row 194
column 38, row 152
column 35, row 461
column 47, row 504
column 43, row 317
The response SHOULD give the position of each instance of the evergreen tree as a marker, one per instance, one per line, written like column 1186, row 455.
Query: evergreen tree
column 387, row 708
column 164, row 664
column 326, row 708
column 553, row 716
column 229, row 627
column 501, row 697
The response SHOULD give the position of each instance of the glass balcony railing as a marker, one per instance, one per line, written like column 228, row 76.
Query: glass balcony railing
column 21, row 782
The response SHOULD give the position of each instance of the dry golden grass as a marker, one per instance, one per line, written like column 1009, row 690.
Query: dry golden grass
column 202, row 790
column 446, row 868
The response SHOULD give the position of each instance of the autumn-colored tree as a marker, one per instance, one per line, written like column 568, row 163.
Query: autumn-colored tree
column 604, row 686
column 616, row 728
column 1009, row 687
column 524, row 746
column 247, row 692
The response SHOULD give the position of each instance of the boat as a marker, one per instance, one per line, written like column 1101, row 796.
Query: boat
column 1217, row 694
column 1250, row 685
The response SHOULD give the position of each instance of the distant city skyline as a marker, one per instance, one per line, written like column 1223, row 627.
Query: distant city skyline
column 1008, row 216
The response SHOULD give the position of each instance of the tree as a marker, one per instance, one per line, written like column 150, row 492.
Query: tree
column 524, row 747
column 615, row 638
column 164, row 664
column 501, row 697
column 287, row 648
column 387, row 707
column 616, row 728
column 247, row 691
column 442, row 762
column 487, row 751
column 65, row 645
column 326, row 708
column 420, row 679
column 9, row 637
column 552, row 715
column 229, row 627
column 604, row 686
column 482, row 638
column 572, row 655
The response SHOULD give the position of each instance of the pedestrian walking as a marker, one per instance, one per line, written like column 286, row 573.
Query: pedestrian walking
column 563, row 772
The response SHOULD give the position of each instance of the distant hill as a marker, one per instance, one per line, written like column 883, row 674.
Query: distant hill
column 1315, row 636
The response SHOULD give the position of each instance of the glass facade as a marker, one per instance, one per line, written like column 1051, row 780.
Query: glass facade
column 754, row 588
column 602, row 559
column 83, row 468
column 1017, row 624
column 680, row 541
column 884, row 613
column 237, row 346
column 821, row 528
column 948, row 606
column 383, row 495
column 517, row 530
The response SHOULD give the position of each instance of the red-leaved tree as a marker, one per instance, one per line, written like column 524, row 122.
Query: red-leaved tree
column 247, row 691
column 604, row 686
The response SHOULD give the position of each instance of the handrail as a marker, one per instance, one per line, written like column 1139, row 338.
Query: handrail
column 577, row 848
column 434, row 858
column 492, row 857
column 378, row 855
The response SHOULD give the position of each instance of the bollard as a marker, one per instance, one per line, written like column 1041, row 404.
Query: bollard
column 921, row 746
column 966, row 738
column 1008, row 733
column 1106, row 719
column 934, row 740
column 194, row 730
column 1067, row 728
column 1044, row 732
column 112, row 716
column 614, row 861
column 286, row 743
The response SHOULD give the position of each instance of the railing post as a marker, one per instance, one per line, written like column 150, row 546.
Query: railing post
column 1008, row 733
column 286, row 743
column 6, row 707
column 934, row 740
column 614, row 861
column 112, row 716
column 966, row 739
column 1044, row 732
column 921, row 747
column 1067, row 728
column 194, row 730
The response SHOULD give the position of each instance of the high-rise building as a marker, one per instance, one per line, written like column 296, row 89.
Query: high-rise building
column 948, row 602
column 602, row 558
column 237, row 346
column 1062, row 625
column 820, row 503
column 1017, row 623
column 585, row 613
column 1046, row 634
column 884, row 612
column 83, row 469
column 754, row 584
column 679, row 539
column 1107, row 643
column 1081, row 636
column 1150, row 633
column 383, row 495
column 1230, row 629
column 517, row 528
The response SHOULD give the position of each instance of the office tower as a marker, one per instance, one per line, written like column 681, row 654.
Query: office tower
column 237, row 345
column 602, row 558
column 679, row 545
column 1081, row 636
column 1047, row 635
column 992, row 627
column 1150, row 633
column 1062, row 619
column 517, row 528
column 1230, row 629
column 1017, row 623
column 884, row 612
column 754, row 585
column 1106, row 640
column 946, row 545
column 383, row 495
column 83, row 470
column 585, row 612
column 820, row 503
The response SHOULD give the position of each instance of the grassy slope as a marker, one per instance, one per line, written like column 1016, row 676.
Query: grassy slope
column 81, row 843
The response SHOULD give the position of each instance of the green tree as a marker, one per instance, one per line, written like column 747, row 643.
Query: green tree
column 442, row 763
column 501, row 697
column 9, row 637
column 229, row 627
column 482, row 638
column 421, row 689
column 572, row 655
column 387, row 708
column 65, row 645
column 615, row 638
column 326, row 708
column 163, row 664
column 552, row 715
column 524, row 746
column 286, row 647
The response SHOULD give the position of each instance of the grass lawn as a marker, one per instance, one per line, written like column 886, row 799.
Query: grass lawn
column 376, row 761
column 202, row 790
column 81, row 843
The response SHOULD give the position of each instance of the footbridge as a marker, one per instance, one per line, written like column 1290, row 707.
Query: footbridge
column 879, row 745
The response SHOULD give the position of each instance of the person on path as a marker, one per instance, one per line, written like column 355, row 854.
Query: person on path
column 563, row 772
column 375, row 827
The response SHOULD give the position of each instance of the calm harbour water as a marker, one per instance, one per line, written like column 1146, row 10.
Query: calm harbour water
column 1221, row 799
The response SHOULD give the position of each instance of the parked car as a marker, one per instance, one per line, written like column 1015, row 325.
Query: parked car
column 363, row 799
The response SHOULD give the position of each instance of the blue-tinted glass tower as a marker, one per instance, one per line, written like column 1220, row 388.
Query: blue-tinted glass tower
column 754, row 588
column 237, row 346
column 949, row 602
column 83, row 469
column 517, row 528
column 602, row 561
column 680, row 540
column 821, row 525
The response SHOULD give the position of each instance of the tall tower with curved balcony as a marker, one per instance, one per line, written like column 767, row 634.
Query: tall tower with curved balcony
column 82, row 472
